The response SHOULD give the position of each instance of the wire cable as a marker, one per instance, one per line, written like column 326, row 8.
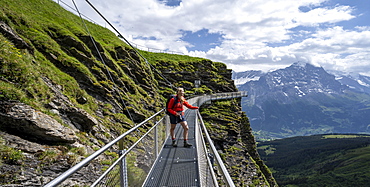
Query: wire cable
column 65, row 4
column 101, row 58
column 120, row 36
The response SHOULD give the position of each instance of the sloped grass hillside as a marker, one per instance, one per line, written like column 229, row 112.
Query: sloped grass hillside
column 66, row 91
column 51, row 43
column 319, row 160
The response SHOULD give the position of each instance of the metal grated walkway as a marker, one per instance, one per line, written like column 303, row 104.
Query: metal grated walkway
column 177, row 166
column 199, row 165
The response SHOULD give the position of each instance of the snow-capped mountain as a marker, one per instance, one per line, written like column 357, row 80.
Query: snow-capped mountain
column 356, row 82
column 303, row 99
column 244, row 77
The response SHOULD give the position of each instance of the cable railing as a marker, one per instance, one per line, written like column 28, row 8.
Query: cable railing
column 144, row 150
column 212, row 169
column 154, row 50
column 213, row 160
column 205, row 158
column 137, row 157
column 218, row 96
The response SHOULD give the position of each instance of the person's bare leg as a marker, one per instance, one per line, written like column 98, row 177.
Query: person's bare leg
column 172, row 133
column 186, row 130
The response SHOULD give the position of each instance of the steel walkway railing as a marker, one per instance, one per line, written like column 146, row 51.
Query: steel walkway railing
column 137, row 158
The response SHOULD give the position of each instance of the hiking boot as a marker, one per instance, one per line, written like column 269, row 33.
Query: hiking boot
column 174, row 143
column 186, row 144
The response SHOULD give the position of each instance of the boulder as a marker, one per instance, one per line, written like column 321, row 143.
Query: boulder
column 76, row 118
column 80, row 119
column 24, row 121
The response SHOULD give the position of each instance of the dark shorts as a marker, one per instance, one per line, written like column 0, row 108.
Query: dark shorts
column 176, row 119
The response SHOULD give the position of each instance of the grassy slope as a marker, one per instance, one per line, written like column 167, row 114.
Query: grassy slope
column 38, row 27
column 319, row 160
column 41, row 23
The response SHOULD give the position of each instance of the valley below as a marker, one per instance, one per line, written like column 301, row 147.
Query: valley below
column 318, row 160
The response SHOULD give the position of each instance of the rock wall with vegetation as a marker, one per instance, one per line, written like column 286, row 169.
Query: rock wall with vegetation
column 66, row 91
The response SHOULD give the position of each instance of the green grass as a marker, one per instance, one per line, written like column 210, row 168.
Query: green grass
column 56, row 49
column 10, row 155
column 173, row 59
column 319, row 160
column 41, row 24
column 343, row 136
column 60, row 54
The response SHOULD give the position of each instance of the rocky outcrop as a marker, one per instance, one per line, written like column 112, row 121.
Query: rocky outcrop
column 76, row 118
column 88, row 96
column 230, row 130
column 14, row 37
column 40, row 164
column 24, row 121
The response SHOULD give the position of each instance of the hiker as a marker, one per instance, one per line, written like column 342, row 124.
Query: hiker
column 176, row 110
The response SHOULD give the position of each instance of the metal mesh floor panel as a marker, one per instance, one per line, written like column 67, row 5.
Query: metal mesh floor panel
column 177, row 166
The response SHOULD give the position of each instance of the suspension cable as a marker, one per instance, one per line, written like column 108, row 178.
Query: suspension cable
column 65, row 4
column 106, row 67
column 120, row 36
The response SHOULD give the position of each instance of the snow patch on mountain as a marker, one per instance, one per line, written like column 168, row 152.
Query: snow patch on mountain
column 297, row 74
column 244, row 80
column 300, row 93
column 241, row 78
column 300, row 64
column 354, row 81
column 363, row 83
column 304, row 99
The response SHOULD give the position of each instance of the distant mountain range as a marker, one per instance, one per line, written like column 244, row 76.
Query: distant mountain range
column 303, row 99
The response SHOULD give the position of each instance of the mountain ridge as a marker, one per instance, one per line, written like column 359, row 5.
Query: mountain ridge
column 303, row 99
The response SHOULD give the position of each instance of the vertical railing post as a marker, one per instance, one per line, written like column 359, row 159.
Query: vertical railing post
column 167, row 125
column 156, row 140
column 122, row 166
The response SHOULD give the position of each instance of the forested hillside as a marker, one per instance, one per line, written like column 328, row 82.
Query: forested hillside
column 319, row 160
column 66, row 91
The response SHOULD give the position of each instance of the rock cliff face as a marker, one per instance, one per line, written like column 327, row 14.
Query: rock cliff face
column 230, row 130
column 65, row 93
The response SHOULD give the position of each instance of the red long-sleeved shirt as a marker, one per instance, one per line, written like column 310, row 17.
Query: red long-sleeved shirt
column 173, row 109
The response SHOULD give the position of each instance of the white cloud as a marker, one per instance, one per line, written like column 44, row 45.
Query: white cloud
column 257, row 34
column 324, row 15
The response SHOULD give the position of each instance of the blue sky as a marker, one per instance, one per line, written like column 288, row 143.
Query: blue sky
column 247, row 35
column 202, row 40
